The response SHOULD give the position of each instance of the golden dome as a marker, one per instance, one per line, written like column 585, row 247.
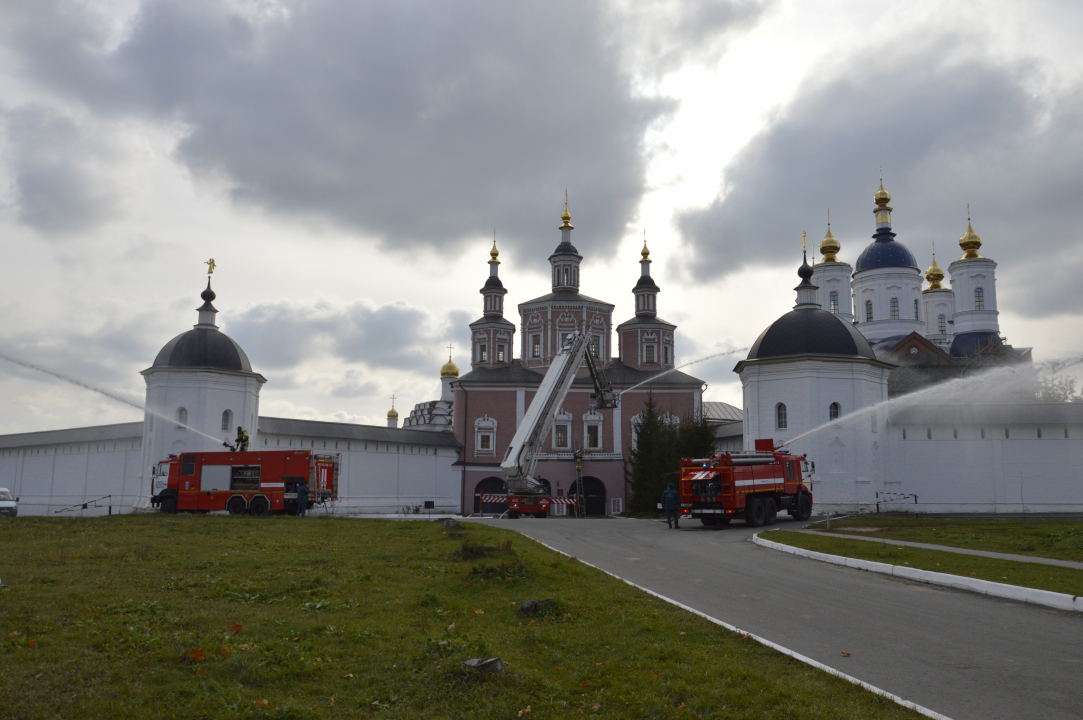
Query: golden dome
column 970, row 242
column 494, row 253
column 829, row 246
column 934, row 275
column 450, row 369
column 392, row 414
column 566, row 216
column 645, row 254
column 882, row 196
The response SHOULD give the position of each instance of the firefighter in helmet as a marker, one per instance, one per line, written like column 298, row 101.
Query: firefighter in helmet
column 242, row 440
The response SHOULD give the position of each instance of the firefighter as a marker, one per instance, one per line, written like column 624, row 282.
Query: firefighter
column 242, row 440
column 302, row 498
column 671, row 502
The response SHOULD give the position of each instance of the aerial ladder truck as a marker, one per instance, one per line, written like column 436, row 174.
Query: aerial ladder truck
column 525, row 494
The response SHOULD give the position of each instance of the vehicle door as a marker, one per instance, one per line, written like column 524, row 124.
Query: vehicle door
column 213, row 486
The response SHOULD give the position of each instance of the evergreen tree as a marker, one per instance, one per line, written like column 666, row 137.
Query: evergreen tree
column 660, row 445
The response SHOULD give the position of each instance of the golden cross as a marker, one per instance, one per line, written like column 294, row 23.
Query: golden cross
column 450, row 347
column 210, row 266
column 802, row 240
column 393, row 399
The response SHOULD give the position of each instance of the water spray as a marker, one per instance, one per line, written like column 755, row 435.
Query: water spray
column 652, row 378
column 1005, row 379
column 107, row 393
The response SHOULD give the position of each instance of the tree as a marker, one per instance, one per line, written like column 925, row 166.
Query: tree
column 660, row 445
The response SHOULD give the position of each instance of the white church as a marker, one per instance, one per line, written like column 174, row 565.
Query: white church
column 200, row 387
column 852, row 331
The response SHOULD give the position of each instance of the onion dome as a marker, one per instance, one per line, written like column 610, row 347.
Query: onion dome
column 494, row 253
column 884, row 251
column 204, row 346
column 566, row 217
column 934, row 275
column 645, row 254
column 829, row 246
column 970, row 242
column 450, row 369
column 392, row 414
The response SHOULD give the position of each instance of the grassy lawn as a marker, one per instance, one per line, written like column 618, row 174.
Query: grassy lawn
column 1024, row 574
column 1059, row 538
column 197, row 617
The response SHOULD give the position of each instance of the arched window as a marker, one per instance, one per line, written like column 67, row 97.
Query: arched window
column 979, row 299
column 868, row 311
column 565, row 276
column 916, row 315
column 894, row 308
column 227, row 421
column 942, row 324
column 833, row 411
column 834, row 299
column 780, row 416
column 182, row 419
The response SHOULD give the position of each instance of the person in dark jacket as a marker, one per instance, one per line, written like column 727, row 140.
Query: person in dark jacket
column 671, row 503
column 242, row 440
column 302, row 499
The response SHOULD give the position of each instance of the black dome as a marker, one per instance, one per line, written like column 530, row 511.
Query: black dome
column 885, row 252
column 203, row 348
column 566, row 248
column 810, row 331
column 645, row 281
column 492, row 282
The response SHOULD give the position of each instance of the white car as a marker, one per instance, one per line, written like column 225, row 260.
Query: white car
column 9, row 505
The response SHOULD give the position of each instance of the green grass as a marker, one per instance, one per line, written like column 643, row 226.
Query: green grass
column 360, row 618
column 1058, row 538
column 1023, row 574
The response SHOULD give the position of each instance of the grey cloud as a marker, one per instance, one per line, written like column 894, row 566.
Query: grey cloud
column 419, row 123
column 947, row 132
column 57, row 166
column 396, row 335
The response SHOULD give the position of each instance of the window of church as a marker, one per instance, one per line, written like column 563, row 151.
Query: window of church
column 485, row 441
column 182, row 419
column 535, row 346
column 834, row 300
column 868, row 311
column 592, row 436
column 595, row 346
column 979, row 299
column 665, row 355
column 916, row 315
column 648, row 353
column 780, row 416
column 942, row 324
column 894, row 308
column 560, row 436
column 565, row 276
column 833, row 411
column 483, row 353
column 227, row 421
column 500, row 353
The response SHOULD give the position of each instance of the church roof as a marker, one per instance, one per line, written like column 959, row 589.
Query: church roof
column 351, row 431
column 617, row 373
column 810, row 331
column 642, row 320
column 568, row 296
column 96, row 433
column 203, row 348
column 885, row 252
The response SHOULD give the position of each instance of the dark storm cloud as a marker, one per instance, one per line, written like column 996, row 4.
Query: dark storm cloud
column 396, row 336
column 947, row 132
column 57, row 165
column 420, row 123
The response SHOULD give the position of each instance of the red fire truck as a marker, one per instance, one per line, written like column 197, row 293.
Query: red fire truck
column 243, row 482
column 749, row 485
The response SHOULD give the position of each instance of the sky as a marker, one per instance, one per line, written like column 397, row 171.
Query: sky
column 346, row 165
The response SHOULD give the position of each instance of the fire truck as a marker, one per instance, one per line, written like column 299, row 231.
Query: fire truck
column 751, row 485
column 259, row 483
column 527, row 496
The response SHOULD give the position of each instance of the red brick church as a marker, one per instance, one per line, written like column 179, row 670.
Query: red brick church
column 489, row 401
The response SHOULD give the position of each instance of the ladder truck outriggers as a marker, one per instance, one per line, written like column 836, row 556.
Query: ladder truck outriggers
column 525, row 494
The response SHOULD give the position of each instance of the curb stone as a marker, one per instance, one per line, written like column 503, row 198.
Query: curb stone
column 1032, row 596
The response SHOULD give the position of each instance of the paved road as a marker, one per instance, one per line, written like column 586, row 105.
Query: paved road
column 966, row 656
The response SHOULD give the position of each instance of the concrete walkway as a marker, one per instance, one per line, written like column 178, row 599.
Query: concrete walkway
column 947, row 548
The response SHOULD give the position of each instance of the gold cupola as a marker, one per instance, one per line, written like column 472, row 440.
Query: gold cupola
column 829, row 246
column 934, row 275
column 450, row 369
column 970, row 241
column 882, row 196
column 392, row 414
column 645, row 254
column 494, row 254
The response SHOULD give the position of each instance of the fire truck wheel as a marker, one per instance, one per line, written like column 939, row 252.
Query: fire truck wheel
column 260, row 506
column 770, row 511
column 236, row 506
column 754, row 512
column 804, row 508
column 169, row 506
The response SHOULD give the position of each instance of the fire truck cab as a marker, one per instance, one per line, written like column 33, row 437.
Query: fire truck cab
column 754, row 486
column 243, row 482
